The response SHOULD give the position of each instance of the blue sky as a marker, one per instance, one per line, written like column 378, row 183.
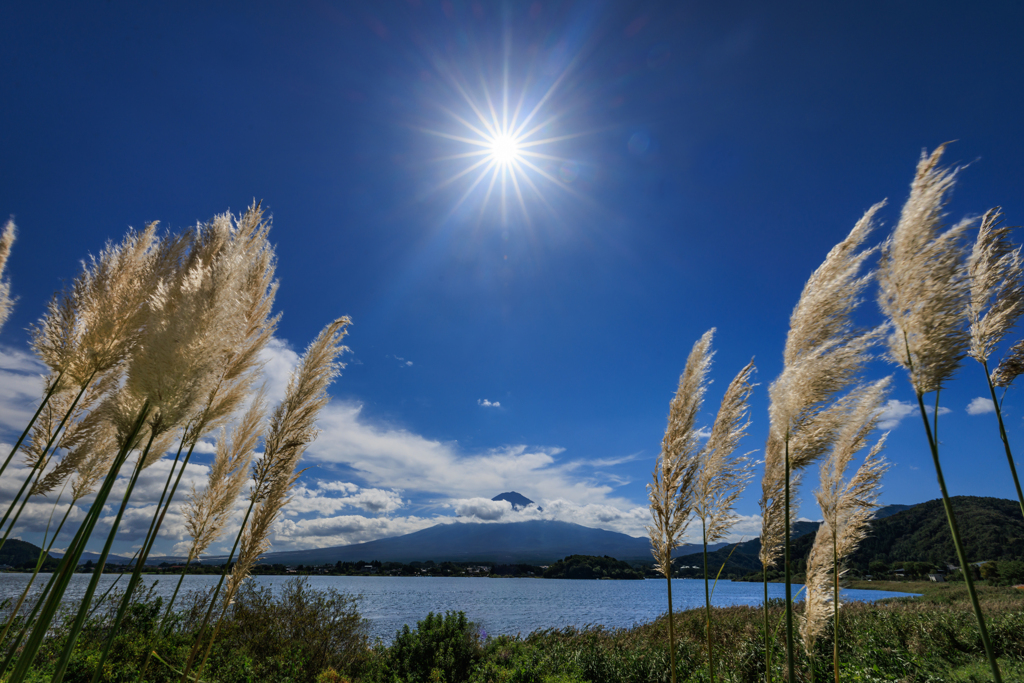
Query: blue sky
column 708, row 156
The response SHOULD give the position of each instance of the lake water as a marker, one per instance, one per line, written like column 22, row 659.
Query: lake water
column 499, row 606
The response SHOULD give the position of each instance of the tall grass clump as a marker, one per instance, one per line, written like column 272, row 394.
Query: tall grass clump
column 925, row 290
column 292, row 428
column 671, row 494
column 156, row 342
column 823, row 356
column 722, row 477
column 847, row 508
column 996, row 304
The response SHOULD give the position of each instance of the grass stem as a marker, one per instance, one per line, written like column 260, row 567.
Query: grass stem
column 965, row 568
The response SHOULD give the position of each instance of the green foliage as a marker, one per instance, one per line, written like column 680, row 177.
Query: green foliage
column 591, row 567
column 291, row 637
column 441, row 649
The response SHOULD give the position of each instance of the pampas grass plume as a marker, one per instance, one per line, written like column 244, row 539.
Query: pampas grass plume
column 723, row 474
column 292, row 429
column 671, row 493
column 207, row 512
column 924, row 289
column 996, row 286
column 6, row 240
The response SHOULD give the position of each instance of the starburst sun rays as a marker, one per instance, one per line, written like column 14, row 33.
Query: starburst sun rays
column 508, row 154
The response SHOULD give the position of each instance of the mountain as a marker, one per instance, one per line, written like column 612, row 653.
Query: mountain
column 890, row 510
column 518, row 500
column 990, row 528
column 740, row 558
column 533, row 542
column 18, row 553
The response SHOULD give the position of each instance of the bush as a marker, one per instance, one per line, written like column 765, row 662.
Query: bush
column 441, row 649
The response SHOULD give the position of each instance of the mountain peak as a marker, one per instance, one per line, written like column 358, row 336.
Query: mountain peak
column 518, row 500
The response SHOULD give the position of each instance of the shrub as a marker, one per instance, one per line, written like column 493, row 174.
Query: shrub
column 441, row 649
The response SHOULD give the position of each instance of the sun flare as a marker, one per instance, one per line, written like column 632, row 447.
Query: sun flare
column 504, row 149
column 507, row 147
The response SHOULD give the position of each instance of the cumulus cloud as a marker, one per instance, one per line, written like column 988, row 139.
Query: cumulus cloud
column 482, row 508
column 704, row 433
column 487, row 404
column 980, row 406
column 895, row 410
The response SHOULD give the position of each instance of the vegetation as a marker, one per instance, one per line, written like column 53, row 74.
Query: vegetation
column 305, row 635
column 157, row 341
column 590, row 567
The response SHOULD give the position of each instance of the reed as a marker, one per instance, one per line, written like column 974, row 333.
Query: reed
column 847, row 508
column 671, row 495
column 823, row 356
column 925, row 292
column 722, row 477
column 292, row 428
column 996, row 304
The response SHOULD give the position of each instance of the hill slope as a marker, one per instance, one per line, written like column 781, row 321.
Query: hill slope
column 992, row 529
column 18, row 553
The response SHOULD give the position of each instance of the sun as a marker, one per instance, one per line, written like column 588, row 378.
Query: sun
column 505, row 149
column 507, row 146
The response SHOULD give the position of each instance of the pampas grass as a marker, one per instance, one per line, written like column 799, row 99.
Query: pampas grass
column 997, row 302
column 847, row 509
column 292, row 428
column 671, row 493
column 925, row 290
column 824, row 354
column 722, row 476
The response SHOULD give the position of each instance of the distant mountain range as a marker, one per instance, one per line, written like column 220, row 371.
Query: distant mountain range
column 992, row 529
column 532, row 542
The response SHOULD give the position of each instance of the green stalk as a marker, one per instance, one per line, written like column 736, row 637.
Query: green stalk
column 147, row 546
column 671, row 628
column 835, row 604
column 790, row 661
column 46, row 399
column 24, row 501
column 163, row 620
column 767, row 646
column 955, row 531
column 83, row 609
column 216, row 591
column 41, row 463
column 62, row 577
column 707, row 601
column 1002, row 435
column 110, row 589
column 43, row 554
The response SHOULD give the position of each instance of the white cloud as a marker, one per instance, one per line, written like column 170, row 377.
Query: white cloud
column 895, row 410
column 704, row 433
column 482, row 508
column 487, row 404
column 21, row 388
column 980, row 406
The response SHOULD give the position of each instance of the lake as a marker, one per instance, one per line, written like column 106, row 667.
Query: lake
column 499, row 606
